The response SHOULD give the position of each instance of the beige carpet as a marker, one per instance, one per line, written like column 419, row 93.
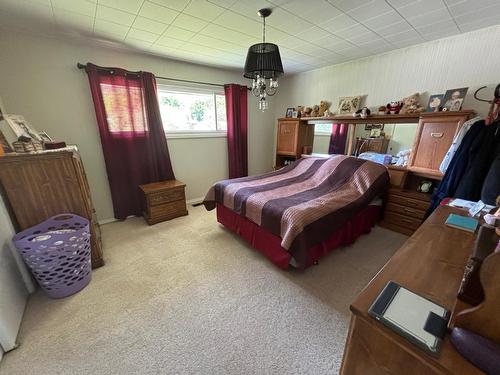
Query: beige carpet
column 188, row 297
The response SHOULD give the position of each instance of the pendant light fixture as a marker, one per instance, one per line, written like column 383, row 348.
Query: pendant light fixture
column 263, row 66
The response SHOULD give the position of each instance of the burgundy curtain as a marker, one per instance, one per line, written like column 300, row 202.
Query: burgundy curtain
column 237, row 123
column 338, row 139
column 132, row 136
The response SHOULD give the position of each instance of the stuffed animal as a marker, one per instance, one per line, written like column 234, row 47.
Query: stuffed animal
column 323, row 108
column 403, row 157
column 315, row 111
column 411, row 104
column 382, row 110
column 394, row 107
column 363, row 112
column 307, row 112
column 300, row 111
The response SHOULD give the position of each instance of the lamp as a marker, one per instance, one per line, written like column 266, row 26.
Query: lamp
column 263, row 63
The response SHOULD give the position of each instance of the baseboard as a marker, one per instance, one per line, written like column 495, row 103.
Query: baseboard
column 107, row 221
column 195, row 200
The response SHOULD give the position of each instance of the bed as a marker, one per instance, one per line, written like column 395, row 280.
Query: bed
column 303, row 211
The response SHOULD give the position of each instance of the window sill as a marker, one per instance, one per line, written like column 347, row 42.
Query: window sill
column 220, row 134
column 322, row 134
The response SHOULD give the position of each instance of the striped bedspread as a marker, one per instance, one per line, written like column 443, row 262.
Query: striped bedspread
column 303, row 203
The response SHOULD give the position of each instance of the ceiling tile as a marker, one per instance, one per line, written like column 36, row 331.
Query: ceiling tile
column 150, row 25
column 430, row 17
column 313, row 33
column 347, row 5
column 84, row 7
column 369, row 10
column 158, row 13
column 383, row 20
column 106, row 28
column 478, row 24
column 353, row 31
column 203, row 9
column 178, row 33
column 249, row 8
column 131, row 6
column 339, row 23
column 167, row 41
column 114, row 15
column 287, row 22
column 189, row 22
column 470, row 6
column 420, row 7
column 369, row 37
column 328, row 41
column 239, row 23
column 142, row 35
column 229, row 35
column 445, row 26
column 317, row 11
column 480, row 13
column 173, row 4
column 395, row 28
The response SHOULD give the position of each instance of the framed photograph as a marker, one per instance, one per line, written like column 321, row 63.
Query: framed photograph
column 289, row 112
column 295, row 114
column 435, row 103
column 2, row 110
column 21, row 127
column 453, row 99
column 374, row 126
column 348, row 104
column 45, row 137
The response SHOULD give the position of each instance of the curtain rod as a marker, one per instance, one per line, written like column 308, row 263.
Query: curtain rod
column 82, row 66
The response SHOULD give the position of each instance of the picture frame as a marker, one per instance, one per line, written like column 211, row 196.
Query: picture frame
column 21, row 127
column 295, row 114
column 348, row 104
column 435, row 103
column 454, row 98
column 289, row 112
column 374, row 126
column 45, row 137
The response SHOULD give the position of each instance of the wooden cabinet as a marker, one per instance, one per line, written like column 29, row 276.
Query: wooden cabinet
column 163, row 201
column 378, row 145
column 39, row 186
column 431, row 263
column 435, row 133
column 294, row 135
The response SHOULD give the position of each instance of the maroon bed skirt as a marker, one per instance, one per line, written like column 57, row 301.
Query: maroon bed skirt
column 270, row 244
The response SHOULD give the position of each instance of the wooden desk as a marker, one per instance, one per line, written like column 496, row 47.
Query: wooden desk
column 430, row 263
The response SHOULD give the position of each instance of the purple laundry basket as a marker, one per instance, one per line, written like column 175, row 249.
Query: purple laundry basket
column 58, row 253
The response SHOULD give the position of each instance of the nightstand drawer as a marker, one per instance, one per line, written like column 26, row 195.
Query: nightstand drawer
column 166, row 196
column 402, row 220
column 408, row 202
column 167, row 211
column 409, row 211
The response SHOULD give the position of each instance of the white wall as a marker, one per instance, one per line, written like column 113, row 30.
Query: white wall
column 15, row 283
column 39, row 79
column 467, row 60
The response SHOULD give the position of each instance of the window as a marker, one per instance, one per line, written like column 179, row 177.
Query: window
column 124, row 108
column 187, row 111
column 323, row 129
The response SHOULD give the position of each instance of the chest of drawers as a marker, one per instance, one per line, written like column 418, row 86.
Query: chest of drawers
column 163, row 201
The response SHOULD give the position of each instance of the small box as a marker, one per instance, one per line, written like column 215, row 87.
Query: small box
column 164, row 200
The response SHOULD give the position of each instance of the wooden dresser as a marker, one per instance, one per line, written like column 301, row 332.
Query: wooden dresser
column 431, row 263
column 38, row 186
column 293, row 135
column 163, row 201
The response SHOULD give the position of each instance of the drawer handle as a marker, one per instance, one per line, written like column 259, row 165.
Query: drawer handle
column 409, row 221
column 408, row 210
column 410, row 203
column 436, row 135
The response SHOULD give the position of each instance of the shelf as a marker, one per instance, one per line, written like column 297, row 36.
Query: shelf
column 378, row 119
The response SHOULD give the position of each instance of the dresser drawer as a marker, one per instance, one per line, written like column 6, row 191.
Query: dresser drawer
column 408, row 202
column 402, row 220
column 166, row 196
column 409, row 211
column 168, row 210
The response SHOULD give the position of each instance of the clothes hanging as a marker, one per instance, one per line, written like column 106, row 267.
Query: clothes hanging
column 491, row 186
column 456, row 143
column 456, row 169
column 482, row 153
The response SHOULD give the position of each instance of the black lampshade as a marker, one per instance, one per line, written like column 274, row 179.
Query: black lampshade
column 263, row 59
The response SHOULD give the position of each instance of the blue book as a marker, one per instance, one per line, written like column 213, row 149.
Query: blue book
column 468, row 224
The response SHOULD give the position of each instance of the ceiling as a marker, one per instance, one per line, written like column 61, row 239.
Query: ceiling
column 310, row 33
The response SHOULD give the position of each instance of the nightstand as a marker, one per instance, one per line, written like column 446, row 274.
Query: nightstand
column 163, row 201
